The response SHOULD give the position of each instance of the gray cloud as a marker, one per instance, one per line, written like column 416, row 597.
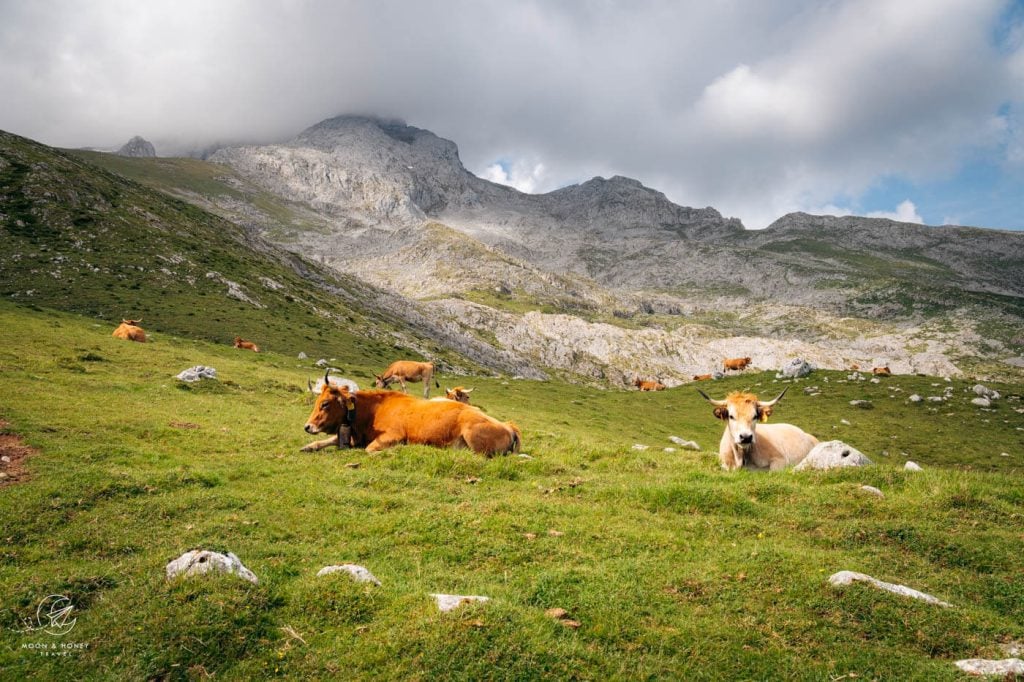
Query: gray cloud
column 755, row 108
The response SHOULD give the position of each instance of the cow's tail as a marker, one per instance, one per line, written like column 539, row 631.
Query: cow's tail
column 517, row 438
column 433, row 373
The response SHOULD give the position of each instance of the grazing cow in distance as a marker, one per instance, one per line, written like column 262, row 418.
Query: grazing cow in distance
column 458, row 394
column 645, row 385
column 129, row 330
column 736, row 363
column 408, row 370
column 854, row 367
column 380, row 419
column 881, row 371
column 246, row 345
column 702, row 377
column 773, row 446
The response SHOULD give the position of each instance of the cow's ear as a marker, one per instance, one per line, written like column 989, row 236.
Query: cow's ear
column 765, row 413
column 721, row 412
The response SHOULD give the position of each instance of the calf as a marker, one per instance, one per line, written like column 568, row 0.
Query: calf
column 408, row 370
column 774, row 446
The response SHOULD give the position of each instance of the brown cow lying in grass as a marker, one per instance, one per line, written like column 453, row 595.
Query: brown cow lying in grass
column 379, row 419
column 775, row 446
column 881, row 371
column 458, row 394
column 246, row 345
column 407, row 370
column 646, row 385
column 129, row 330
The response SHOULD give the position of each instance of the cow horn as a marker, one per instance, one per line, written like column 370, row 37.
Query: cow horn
column 770, row 403
column 467, row 390
column 309, row 385
column 716, row 403
column 327, row 381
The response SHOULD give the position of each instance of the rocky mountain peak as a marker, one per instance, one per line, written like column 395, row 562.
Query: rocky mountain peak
column 137, row 147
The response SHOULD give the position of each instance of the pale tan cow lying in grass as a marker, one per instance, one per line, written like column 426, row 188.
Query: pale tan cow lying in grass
column 774, row 446
column 129, row 330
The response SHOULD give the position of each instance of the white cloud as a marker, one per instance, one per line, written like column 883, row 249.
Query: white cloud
column 753, row 108
column 523, row 176
column 906, row 212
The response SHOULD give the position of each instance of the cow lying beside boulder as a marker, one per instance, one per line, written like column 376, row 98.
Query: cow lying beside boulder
column 379, row 419
column 774, row 446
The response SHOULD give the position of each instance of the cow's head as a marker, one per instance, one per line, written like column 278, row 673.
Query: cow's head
column 333, row 412
column 458, row 394
column 133, row 323
column 741, row 411
column 379, row 381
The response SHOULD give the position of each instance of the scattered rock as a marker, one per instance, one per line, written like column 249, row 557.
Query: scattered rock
column 352, row 465
column 986, row 392
column 200, row 561
column 302, row 356
column 669, row 450
column 936, row 398
column 556, row 613
column 523, row 455
column 912, row 466
column 862, row 404
column 359, row 573
column 843, row 578
column 639, row 446
column 688, row 444
column 915, row 398
column 5, row 459
column 832, row 454
column 876, row 380
column 795, row 369
column 873, row 490
column 322, row 362
column 982, row 402
column 555, row 533
column 335, row 381
column 1008, row 667
column 3, row 475
column 450, row 602
column 197, row 373
column 844, row 422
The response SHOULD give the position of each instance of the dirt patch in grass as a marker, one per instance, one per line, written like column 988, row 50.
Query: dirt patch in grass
column 12, row 448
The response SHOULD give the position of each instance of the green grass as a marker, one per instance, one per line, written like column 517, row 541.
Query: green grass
column 85, row 240
column 675, row 569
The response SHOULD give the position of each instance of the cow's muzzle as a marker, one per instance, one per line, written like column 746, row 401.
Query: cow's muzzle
column 312, row 428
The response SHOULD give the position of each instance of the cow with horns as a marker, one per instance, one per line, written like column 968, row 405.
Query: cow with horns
column 774, row 446
column 379, row 419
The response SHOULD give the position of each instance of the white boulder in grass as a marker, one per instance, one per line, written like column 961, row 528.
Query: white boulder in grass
column 980, row 666
column 197, row 373
column 450, row 602
column 335, row 381
column 912, row 466
column 359, row 573
column 200, row 561
column 873, row 490
column 683, row 443
column 832, row 454
column 843, row 578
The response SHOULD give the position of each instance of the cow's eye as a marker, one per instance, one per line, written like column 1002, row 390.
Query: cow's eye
column 731, row 417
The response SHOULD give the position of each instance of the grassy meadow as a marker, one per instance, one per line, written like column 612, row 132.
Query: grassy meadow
column 673, row 568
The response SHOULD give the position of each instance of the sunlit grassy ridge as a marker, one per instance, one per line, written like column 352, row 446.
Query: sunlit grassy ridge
column 81, row 239
column 674, row 568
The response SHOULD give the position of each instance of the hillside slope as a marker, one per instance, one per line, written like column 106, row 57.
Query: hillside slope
column 85, row 240
column 669, row 567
